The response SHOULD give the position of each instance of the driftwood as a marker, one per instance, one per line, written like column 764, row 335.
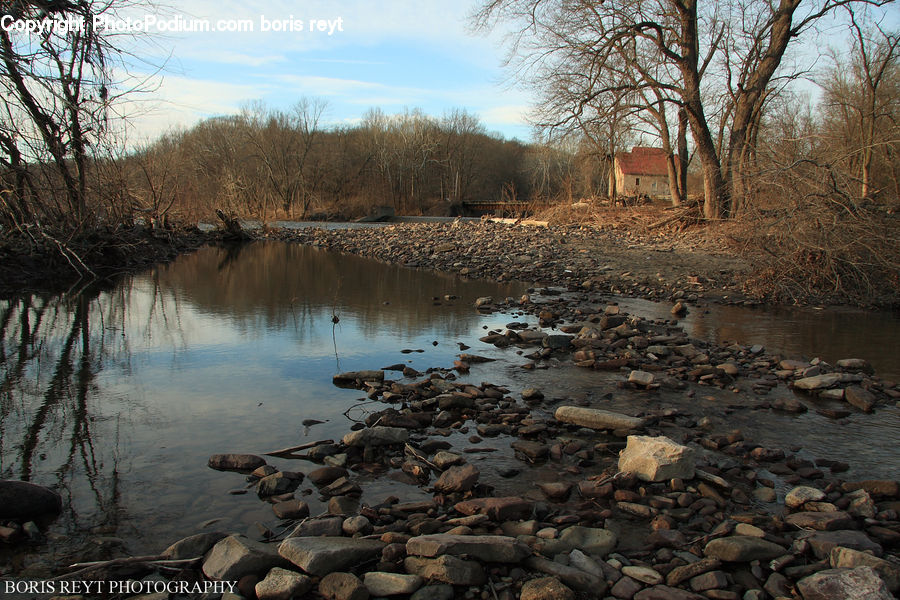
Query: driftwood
column 292, row 449
column 233, row 229
column 687, row 214
column 155, row 560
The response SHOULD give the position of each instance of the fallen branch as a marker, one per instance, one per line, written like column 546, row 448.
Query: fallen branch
column 292, row 449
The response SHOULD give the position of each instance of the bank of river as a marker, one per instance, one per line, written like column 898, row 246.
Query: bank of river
column 123, row 394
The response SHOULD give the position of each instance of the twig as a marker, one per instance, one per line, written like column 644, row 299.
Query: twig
column 293, row 449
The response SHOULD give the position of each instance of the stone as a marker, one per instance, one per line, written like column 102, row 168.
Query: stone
column 847, row 558
column 664, row 592
column 531, row 449
column 878, row 488
column 391, row 584
column 656, row 459
column 328, row 526
column 817, row 382
column 488, row 548
column 802, row 494
column 594, row 418
column 822, row 542
column 236, row 556
column 342, row 586
column 483, row 301
column 277, row 483
column 861, row 504
column 643, row 574
column 24, row 500
column 322, row 555
column 532, row 394
column 325, row 475
column 590, row 540
column 742, row 548
column 457, row 479
column 821, row 521
column 235, row 462
column 356, row 524
column 504, row 508
column 861, row 583
column 855, row 364
column 711, row 580
column 281, row 584
column 350, row 377
column 572, row 577
column 546, row 588
column 683, row 573
column 291, row 509
column 376, row 436
column 440, row 591
column 446, row 569
column 193, row 546
column 860, row 397
column 557, row 491
column 640, row 378
column 625, row 588
column 444, row 460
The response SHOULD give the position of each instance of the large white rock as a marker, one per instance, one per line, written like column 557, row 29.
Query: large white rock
column 656, row 458
column 594, row 418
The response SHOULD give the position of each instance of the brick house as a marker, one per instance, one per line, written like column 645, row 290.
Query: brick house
column 642, row 171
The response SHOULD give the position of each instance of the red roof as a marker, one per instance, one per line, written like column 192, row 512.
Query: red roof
column 643, row 161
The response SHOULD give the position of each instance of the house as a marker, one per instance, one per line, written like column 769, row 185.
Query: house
column 642, row 171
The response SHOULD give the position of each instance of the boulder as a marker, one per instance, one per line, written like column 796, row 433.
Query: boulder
column 847, row 558
column 391, row 584
column 656, row 459
column 546, row 588
column 590, row 540
column 342, row 586
column 821, row 521
column 236, row 556
column 742, row 548
column 802, row 494
column 594, row 418
column 861, row 583
column 281, row 584
column 822, row 542
column 243, row 463
column 488, row 548
column 193, row 546
column 457, row 479
column 376, row 436
column 505, row 508
column 860, row 397
column 322, row 555
column 446, row 569
column 25, row 500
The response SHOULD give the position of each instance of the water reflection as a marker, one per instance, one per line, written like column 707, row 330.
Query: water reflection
column 117, row 396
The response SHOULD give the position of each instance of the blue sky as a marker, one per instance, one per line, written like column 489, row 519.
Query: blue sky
column 399, row 55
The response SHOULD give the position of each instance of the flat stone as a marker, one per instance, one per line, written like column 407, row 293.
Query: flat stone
column 664, row 592
column 802, row 494
column 847, row 558
column 742, row 548
column 193, row 546
column 376, row 436
column 572, row 577
column 439, row 591
column 488, row 548
column 861, row 583
column 656, row 459
column 643, row 574
column 821, row 521
column 884, row 488
column 281, row 584
column 594, row 418
column 640, row 378
column 343, row 586
column 446, row 569
column 530, row 449
column 235, row 556
column 817, row 382
column 341, row 487
column 860, row 397
column 590, row 540
column 322, row 555
column 822, row 542
column 380, row 583
column 325, row 475
column 327, row 526
column 445, row 460
column 546, row 588
column 557, row 491
column 625, row 588
column 505, row 508
column 291, row 509
column 351, row 377
column 855, row 364
column 235, row 462
column 457, row 479
column 276, row 484
column 683, row 573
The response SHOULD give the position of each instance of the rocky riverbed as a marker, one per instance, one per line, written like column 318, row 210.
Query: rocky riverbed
column 650, row 502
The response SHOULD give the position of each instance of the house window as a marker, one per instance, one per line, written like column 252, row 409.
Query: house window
column 637, row 181
column 653, row 186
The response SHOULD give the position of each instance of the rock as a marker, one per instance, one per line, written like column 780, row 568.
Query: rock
column 643, row 574
column 625, row 588
column 590, row 540
column 656, row 459
column 640, row 378
column 821, row 521
column 444, row 460
column 376, row 436
column 457, row 479
column 328, row 526
column 593, row 418
column 860, row 397
column 235, row 556
column 322, row 555
column 572, row 577
column 25, row 500
column 235, row 462
column 506, row 508
column 713, row 580
column 531, row 449
column 663, row 592
column 277, row 483
column 847, row 558
column 532, row 395
column 350, row 377
column 546, row 588
column 817, row 382
column 822, row 542
column 391, row 584
column 325, row 475
column 291, row 509
column 342, row 586
column 341, row 487
column 356, row 524
column 281, row 584
column 683, row 573
column 883, row 488
column 483, row 301
column 742, row 548
column 488, row 548
column 193, row 546
column 343, row 505
column 446, row 569
column 440, row 591
column 855, row 364
column 861, row 583
column 861, row 504
column 557, row 491
column 679, row 309
column 802, row 494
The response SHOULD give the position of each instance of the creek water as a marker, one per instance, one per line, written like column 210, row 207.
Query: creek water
column 117, row 396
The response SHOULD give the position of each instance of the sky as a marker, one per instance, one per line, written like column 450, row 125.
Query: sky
column 353, row 54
